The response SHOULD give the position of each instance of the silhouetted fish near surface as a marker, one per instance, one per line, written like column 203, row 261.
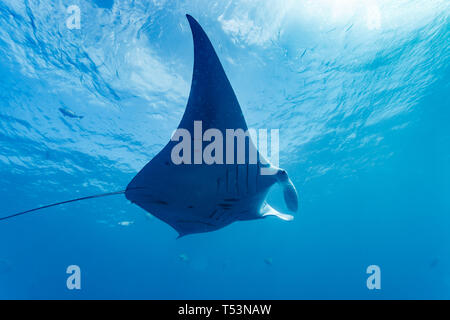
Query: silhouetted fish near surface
column 69, row 113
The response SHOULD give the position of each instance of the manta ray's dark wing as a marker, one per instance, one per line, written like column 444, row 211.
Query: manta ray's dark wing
column 212, row 99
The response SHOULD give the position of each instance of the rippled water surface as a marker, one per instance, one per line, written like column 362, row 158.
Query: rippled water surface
column 358, row 89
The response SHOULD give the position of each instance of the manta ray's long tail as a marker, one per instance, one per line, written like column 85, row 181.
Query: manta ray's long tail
column 63, row 202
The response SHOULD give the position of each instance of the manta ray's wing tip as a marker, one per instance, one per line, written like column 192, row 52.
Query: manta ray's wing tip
column 196, row 28
column 191, row 19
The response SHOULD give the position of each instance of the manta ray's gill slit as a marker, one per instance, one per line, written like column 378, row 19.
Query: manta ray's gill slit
column 220, row 214
column 213, row 213
column 236, row 182
column 160, row 202
column 246, row 179
column 257, row 173
column 218, row 186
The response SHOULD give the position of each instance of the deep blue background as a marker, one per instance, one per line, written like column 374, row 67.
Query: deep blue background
column 359, row 91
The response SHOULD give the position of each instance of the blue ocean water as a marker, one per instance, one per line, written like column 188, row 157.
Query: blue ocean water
column 358, row 89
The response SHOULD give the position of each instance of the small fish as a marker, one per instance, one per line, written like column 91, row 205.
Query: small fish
column 69, row 113
column 304, row 52
column 183, row 257
column 125, row 223
column 268, row 261
column 434, row 263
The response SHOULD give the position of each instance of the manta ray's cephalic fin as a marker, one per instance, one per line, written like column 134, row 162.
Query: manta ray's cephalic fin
column 289, row 191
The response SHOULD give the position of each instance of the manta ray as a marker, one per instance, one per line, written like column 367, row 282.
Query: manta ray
column 198, row 198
